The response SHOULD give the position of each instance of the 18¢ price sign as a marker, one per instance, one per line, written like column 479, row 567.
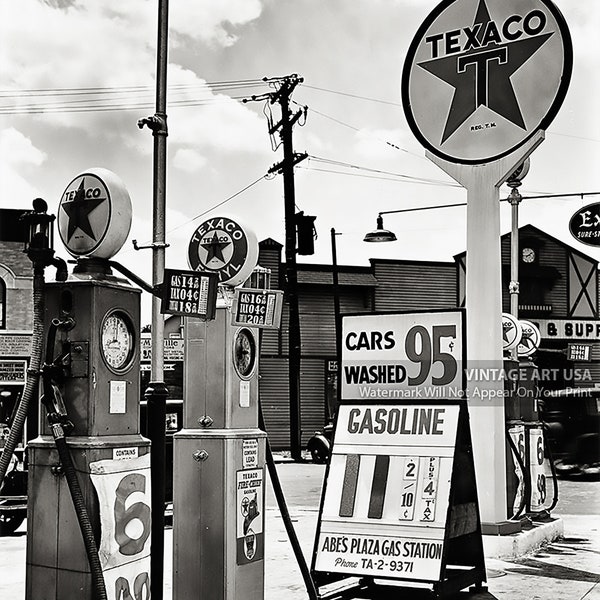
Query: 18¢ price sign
column 403, row 355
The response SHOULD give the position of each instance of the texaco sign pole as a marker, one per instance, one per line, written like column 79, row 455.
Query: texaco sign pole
column 481, row 82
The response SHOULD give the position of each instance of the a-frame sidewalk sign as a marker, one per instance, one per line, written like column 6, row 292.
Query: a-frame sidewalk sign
column 399, row 505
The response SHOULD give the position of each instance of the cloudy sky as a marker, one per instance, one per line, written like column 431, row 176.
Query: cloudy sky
column 76, row 76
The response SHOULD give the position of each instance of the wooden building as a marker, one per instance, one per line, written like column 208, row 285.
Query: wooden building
column 559, row 292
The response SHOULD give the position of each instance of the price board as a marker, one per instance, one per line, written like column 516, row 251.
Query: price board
column 258, row 308
column 189, row 293
column 399, row 500
column 403, row 355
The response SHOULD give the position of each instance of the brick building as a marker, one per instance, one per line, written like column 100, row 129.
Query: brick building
column 16, row 316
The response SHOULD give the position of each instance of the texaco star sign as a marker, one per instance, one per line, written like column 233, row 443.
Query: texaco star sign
column 482, row 76
column 224, row 247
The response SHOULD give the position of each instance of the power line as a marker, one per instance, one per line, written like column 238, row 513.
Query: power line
column 411, row 178
column 238, row 193
column 313, row 87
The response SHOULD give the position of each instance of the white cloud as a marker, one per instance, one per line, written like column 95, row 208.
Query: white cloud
column 17, row 152
column 213, row 22
column 17, row 149
column 188, row 160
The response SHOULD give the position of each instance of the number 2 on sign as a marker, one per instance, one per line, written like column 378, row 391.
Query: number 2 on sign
column 426, row 350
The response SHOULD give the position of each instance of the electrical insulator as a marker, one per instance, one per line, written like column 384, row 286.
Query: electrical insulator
column 305, row 228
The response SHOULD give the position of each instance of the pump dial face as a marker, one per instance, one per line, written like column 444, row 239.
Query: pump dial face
column 116, row 341
column 244, row 353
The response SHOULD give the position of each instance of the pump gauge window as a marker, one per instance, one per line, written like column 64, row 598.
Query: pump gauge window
column 116, row 341
column 244, row 353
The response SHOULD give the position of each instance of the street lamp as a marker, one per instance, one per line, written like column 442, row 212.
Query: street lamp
column 380, row 234
column 385, row 235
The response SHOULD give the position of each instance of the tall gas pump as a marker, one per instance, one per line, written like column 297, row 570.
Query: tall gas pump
column 91, row 393
column 219, row 455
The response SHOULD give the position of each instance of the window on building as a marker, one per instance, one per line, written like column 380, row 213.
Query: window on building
column 2, row 304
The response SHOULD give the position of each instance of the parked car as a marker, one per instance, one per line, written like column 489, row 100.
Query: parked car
column 572, row 420
column 13, row 494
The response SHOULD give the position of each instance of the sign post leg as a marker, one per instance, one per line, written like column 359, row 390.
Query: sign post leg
column 484, row 331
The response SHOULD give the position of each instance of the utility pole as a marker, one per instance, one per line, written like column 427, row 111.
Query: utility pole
column 286, row 167
column 156, row 393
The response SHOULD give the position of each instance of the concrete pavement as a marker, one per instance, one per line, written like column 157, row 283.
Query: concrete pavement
column 567, row 569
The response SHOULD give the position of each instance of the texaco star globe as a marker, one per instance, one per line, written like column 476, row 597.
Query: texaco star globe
column 94, row 214
column 481, row 77
column 224, row 247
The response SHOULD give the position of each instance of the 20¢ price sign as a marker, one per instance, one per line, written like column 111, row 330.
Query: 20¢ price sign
column 124, row 492
column 403, row 355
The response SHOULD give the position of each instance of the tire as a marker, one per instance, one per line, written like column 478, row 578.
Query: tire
column 10, row 521
column 318, row 447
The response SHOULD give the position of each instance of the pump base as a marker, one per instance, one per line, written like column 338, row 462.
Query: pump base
column 518, row 544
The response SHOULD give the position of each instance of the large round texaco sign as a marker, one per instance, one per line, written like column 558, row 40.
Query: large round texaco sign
column 94, row 214
column 482, row 76
column 224, row 247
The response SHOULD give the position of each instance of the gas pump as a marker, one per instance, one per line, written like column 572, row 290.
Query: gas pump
column 91, row 392
column 219, row 455
column 530, row 494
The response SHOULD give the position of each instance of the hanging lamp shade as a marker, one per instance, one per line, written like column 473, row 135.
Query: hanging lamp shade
column 380, row 234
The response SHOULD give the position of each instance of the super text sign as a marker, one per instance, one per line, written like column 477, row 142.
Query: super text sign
column 387, row 492
column 412, row 355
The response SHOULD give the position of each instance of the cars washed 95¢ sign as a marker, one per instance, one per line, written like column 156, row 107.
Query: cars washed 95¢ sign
column 482, row 76
column 94, row 214
column 224, row 247
column 403, row 355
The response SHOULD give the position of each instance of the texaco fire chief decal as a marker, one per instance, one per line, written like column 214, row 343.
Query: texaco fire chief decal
column 482, row 76
column 224, row 247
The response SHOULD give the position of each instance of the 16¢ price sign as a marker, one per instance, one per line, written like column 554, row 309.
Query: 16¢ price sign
column 403, row 355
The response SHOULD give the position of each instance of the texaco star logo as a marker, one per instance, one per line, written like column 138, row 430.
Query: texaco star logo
column 482, row 76
column 84, row 214
column 218, row 245
column 480, row 73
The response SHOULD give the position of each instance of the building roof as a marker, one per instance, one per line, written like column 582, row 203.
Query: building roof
column 347, row 276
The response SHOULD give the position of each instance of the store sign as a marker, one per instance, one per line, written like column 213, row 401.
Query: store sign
column 482, row 76
column 13, row 371
column 257, row 308
column 585, row 225
column 568, row 329
column 403, row 355
column 189, row 293
column 173, row 349
column 15, row 344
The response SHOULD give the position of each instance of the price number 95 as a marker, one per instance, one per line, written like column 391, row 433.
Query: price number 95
column 425, row 349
